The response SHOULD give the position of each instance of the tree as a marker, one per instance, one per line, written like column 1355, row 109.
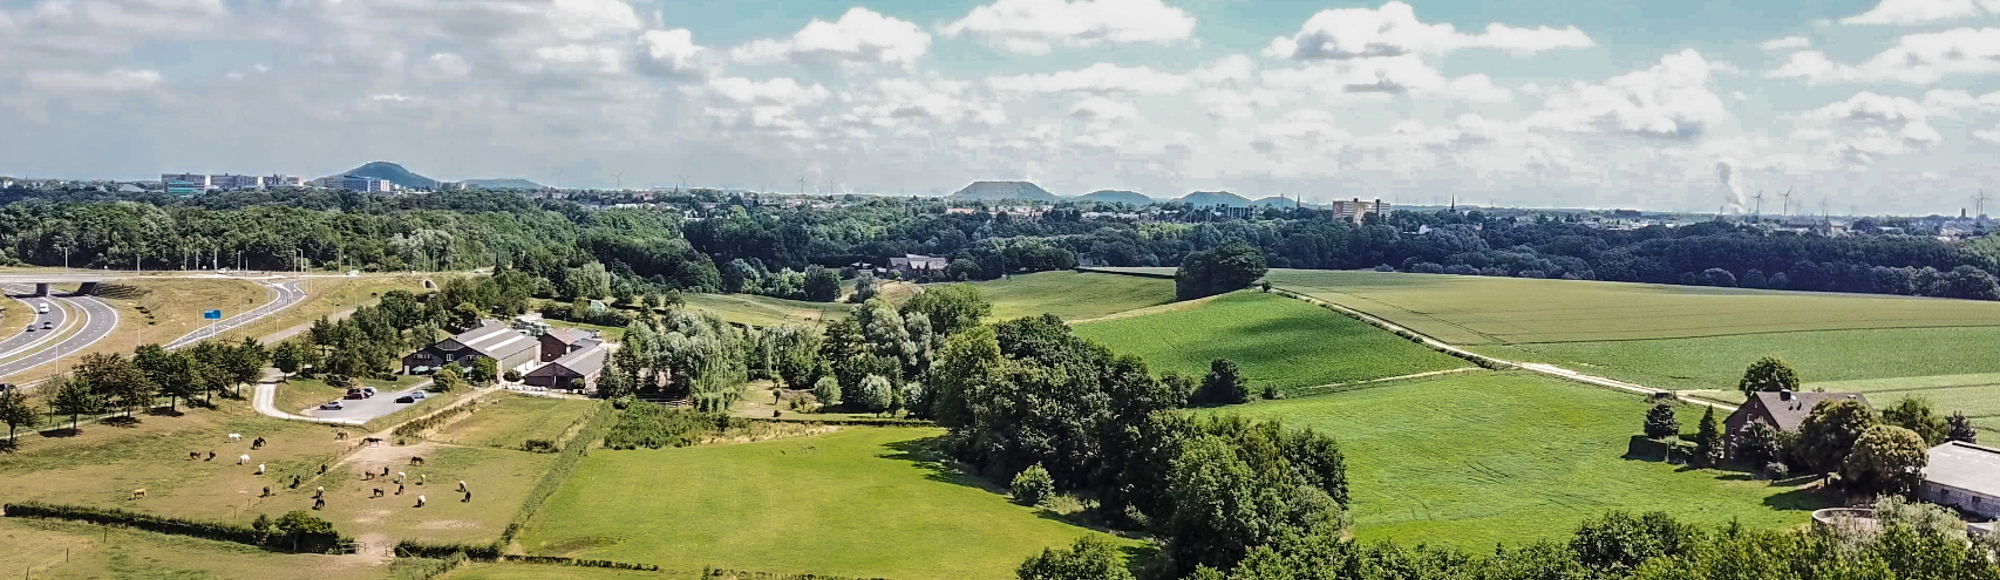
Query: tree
column 962, row 269
column 1661, row 422
column 304, row 529
column 290, row 356
column 1227, row 268
column 74, row 398
column 864, row 287
column 512, row 376
column 950, row 308
column 1915, row 413
column 1089, row 558
column 876, row 394
column 1033, row 485
column 174, row 372
column 1224, row 385
column 1758, row 445
column 1769, row 374
column 822, row 285
column 484, row 371
column 1829, row 433
column 16, row 412
column 1961, row 428
column 447, row 379
column 115, row 381
column 1708, row 438
column 1886, row 460
column 827, row 391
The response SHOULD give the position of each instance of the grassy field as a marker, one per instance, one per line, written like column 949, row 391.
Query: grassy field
column 756, row 310
column 52, row 550
column 505, row 420
column 1073, row 296
column 1481, row 458
column 861, row 502
column 1978, row 395
column 1718, row 362
column 1472, row 310
column 1277, row 341
column 547, row 572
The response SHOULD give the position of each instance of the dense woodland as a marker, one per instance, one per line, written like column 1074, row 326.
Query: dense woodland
column 742, row 244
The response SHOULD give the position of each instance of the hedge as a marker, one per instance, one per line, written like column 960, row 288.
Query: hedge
column 562, row 561
column 724, row 574
column 159, row 524
column 421, row 549
column 573, row 452
column 426, row 422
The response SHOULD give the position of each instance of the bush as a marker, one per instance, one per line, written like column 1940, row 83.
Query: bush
column 512, row 376
column 1777, row 470
column 1033, row 485
column 653, row 427
column 540, row 446
column 297, row 531
column 1271, row 393
column 431, row 421
column 1661, row 422
column 827, row 391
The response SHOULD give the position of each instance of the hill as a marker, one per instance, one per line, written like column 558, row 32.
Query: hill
column 1208, row 198
column 505, row 183
column 1115, row 196
column 392, row 173
column 1004, row 190
column 1275, row 201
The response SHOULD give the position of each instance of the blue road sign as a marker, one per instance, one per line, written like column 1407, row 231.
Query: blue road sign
column 212, row 314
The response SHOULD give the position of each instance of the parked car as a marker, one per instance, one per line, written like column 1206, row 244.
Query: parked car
column 406, row 399
column 355, row 394
column 420, row 395
column 332, row 406
column 370, row 391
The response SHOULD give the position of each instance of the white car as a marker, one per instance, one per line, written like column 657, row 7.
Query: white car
column 419, row 395
column 332, row 406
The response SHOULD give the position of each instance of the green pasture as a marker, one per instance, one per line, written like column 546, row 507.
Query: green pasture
column 1476, row 459
column 1479, row 310
column 1718, row 362
column 1277, row 341
column 862, row 502
column 1073, row 296
column 56, row 550
column 505, row 420
column 754, row 310
column 1978, row 395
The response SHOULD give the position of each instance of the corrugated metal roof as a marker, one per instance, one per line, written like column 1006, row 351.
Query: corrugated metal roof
column 583, row 362
column 1965, row 466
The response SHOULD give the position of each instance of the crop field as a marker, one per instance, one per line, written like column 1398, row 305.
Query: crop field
column 1277, row 341
column 1477, row 310
column 1978, row 395
column 506, row 420
column 863, row 502
column 1073, row 296
column 1476, row 459
column 756, row 310
column 1718, row 362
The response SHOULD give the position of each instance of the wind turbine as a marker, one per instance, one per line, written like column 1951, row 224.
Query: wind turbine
column 1981, row 201
column 620, row 180
column 683, row 184
column 1788, row 203
column 1760, row 203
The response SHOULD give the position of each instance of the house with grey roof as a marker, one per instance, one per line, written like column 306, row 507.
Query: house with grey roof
column 579, row 368
column 509, row 349
column 1964, row 476
column 1782, row 410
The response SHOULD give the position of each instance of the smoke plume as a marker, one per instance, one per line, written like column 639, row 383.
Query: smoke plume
column 1732, row 188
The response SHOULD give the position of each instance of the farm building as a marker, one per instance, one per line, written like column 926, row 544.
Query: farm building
column 913, row 265
column 557, row 342
column 1965, row 476
column 508, row 347
column 1784, row 410
column 583, row 366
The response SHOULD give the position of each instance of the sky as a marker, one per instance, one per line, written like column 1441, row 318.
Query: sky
column 1871, row 106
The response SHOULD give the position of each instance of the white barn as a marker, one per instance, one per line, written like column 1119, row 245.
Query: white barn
column 1965, row 476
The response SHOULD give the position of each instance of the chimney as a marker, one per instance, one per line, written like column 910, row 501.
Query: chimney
column 1785, row 395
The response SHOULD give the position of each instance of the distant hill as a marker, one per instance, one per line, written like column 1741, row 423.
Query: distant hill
column 1208, row 198
column 1004, row 190
column 391, row 173
column 1116, row 196
column 1276, row 201
column 500, row 184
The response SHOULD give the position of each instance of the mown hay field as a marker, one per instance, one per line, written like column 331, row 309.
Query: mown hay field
column 861, row 502
column 1277, row 341
column 754, row 310
column 1073, row 296
column 1480, row 458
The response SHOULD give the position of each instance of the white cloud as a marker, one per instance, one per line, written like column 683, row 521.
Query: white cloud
column 1671, row 99
column 1097, row 78
column 1234, row 68
column 1392, row 75
column 445, row 65
column 1097, row 109
column 859, row 36
column 394, row 97
column 1786, row 43
column 777, row 92
column 1915, row 59
column 114, row 80
column 1988, row 135
column 1393, row 30
column 583, row 19
column 1238, row 104
column 1869, row 107
column 576, row 57
column 916, row 106
column 1033, row 26
column 1916, row 12
column 670, row 51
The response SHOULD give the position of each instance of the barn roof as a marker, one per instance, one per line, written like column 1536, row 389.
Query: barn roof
column 1965, row 466
column 1789, row 409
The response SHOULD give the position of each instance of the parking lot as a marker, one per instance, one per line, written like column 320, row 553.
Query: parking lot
column 382, row 403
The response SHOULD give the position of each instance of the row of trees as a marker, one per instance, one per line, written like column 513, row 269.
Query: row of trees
column 114, row 383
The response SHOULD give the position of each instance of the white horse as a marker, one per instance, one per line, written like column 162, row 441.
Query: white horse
column 242, row 460
column 260, row 469
column 236, row 437
column 420, row 501
column 400, row 476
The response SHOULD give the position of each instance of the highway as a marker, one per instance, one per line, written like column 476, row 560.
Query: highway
column 26, row 341
column 288, row 294
column 98, row 321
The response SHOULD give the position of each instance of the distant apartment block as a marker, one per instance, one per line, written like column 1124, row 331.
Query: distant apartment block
column 356, row 183
column 278, row 180
column 189, row 183
column 198, row 181
column 1356, row 210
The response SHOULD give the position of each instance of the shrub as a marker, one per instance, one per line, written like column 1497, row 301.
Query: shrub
column 1777, row 470
column 1661, row 422
column 1271, row 393
column 540, row 446
column 827, row 390
column 512, row 376
column 298, row 531
column 654, row 427
column 1033, row 485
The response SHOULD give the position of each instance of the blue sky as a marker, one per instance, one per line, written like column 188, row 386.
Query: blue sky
column 1862, row 105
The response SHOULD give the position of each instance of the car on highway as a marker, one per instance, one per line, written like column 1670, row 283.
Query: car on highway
column 332, row 406
column 48, row 324
column 406, row 399
column 42, row 308
column 31, row 328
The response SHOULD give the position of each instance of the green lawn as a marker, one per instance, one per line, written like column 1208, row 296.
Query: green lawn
column 1073, row 296
column 856, row 503
column 505, row 420
column 1469, row 310
column 1481, row 458
column 1277, row 341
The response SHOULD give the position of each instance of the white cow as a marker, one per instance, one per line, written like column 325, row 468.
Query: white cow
column 260, row 469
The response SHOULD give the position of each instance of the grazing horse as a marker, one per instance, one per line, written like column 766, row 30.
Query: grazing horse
column 257, row 443
column 260, row 469
column 319, row 492
column 242, row 460
column 385, row 471
column 420, row 501
column 211, row 455
column 139, row 493
column 468, row 496
column 322, row 469
column 193, row 455
column 399, row 489
column 267, row 491
column 378, row 493
column 339, row 435
column 461, row 485
column 319, row 502
column 399, row 477
column 372, row 441
column 235, row 437
column 296, row 480
column 416, row 460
